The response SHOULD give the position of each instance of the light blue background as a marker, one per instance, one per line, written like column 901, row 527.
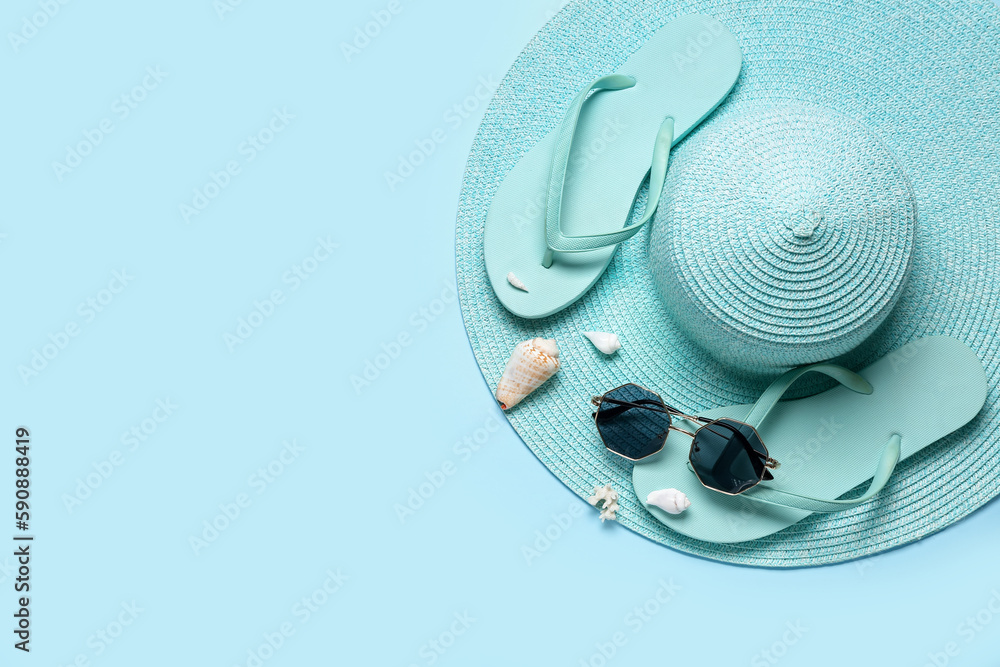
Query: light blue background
column 333, row 507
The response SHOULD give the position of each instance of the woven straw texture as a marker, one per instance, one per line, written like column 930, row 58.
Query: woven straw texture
column 784, row 237
column 923, row 76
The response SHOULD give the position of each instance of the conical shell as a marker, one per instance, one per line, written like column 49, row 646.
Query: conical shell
column 669, row 500
column 532, row 363
column 607, row 343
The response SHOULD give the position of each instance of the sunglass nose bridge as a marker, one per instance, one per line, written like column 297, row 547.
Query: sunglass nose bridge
column 684, row 431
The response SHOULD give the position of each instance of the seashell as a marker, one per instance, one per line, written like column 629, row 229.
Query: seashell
column 531, row 364
column 607, row 343
column 669, row 500
column 516, row 282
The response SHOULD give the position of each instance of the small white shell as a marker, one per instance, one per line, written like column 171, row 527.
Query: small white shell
column 516, row 282
column 607, row 343
column 532, row 363
column 669, row 500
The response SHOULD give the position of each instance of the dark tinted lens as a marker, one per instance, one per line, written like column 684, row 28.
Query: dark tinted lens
column 723, row 454
column 627, row 427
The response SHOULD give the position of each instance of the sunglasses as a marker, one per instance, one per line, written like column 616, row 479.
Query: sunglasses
column 726, row 455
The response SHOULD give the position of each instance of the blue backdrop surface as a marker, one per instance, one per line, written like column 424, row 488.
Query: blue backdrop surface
column 258, row 435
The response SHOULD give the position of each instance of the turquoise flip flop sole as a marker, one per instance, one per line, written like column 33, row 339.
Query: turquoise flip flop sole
column 684, row 71
column 829, row 443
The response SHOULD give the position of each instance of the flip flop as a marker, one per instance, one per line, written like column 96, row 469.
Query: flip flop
column 559, row 214
column 827, row 444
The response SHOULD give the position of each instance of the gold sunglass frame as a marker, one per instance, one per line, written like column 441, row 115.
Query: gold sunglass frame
column 769, row 463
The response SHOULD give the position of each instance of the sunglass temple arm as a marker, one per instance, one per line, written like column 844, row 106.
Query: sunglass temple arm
column 653, row 406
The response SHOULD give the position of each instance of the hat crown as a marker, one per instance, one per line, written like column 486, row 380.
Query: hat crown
column 804, row 224
column 785, row 236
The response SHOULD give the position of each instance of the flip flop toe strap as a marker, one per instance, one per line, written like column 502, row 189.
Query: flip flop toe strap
column 555, row 239
column 772, row 496
column 890, row 454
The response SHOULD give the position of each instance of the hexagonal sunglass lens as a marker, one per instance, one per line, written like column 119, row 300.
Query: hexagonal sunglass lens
column 627, row 427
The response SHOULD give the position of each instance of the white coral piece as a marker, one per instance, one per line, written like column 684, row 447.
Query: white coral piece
column 605, row 498
column 609, row 511
column 603, row 493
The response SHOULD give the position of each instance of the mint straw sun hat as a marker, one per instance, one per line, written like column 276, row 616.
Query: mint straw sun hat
column 840, row 203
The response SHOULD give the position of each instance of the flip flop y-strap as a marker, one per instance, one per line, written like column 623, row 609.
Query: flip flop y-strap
column 770, row 398
column 555, row 240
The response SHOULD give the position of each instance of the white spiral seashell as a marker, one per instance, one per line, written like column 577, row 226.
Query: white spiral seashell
column 531, row 364
column 516, row 282
column 607, row 343
column 669, row 500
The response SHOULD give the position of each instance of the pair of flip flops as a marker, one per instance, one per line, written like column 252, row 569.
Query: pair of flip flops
column 556, row 220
